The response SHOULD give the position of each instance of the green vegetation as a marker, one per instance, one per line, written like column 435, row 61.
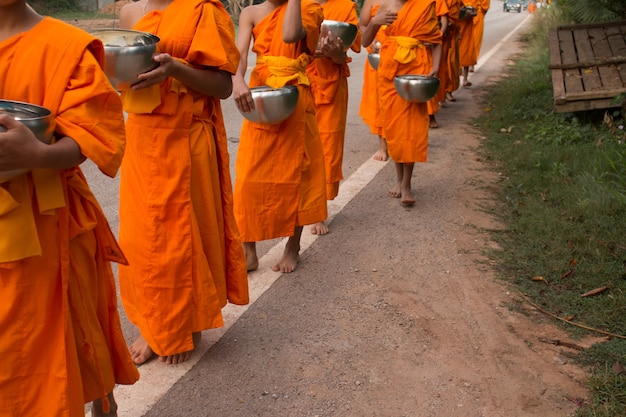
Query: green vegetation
column 563, row 206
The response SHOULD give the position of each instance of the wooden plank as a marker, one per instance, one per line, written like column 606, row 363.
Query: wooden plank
column 555, row 50
column 616, row 23
column 568, row 47
column 591, row 63
column 558, row 86
column 575, row 106
column 593, row 95
column 610, row 76
column 584, row 53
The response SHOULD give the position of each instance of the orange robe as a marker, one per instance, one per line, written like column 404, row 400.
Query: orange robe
column 329, row 84
column 433, row 103
column 369, row 107
column 468, row 55
column 61, row 343
column 176, row 221
column 280, row 181
column 479, row 25
column 405, row 123
column 449, row 71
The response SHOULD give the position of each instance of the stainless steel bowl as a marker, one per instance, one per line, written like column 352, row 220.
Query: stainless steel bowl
column 38, row 119
column 416, row 88
column 272, row 105
column 346, row 31
column 127, row 53
column 374, row 59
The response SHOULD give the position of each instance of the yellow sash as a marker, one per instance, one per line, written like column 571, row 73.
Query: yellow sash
column 406, row 48
column 19, row 238
column 283, row 70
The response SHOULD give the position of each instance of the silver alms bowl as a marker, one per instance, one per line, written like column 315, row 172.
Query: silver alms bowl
column 38, row 119
column 127, row 53
column 416, row 88
column 346, row 31
column 374, row 59
column 272, row 105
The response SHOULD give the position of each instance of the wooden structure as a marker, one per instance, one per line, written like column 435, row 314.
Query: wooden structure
column 588, row 64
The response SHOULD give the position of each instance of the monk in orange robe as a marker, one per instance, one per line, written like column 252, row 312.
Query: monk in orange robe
column 433, row 103
column 406, row 51
column 329, row 74
column 280, row 183
column 177, row 225
column 468, row 57
column 62, row 344
column 449, row 70
column 369, row 108
column 482, row 6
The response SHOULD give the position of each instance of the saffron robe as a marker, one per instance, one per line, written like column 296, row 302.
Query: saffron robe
column 177, row 227
column 468, row 55
column 433, row 103
column 329, row 84
column 449, row 71
column 369, row 108
column 62, row 343
column 479, row 25
column 280, row 181
column 405, row 124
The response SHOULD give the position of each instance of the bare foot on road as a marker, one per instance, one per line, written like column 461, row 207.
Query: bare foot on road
column 140, row 352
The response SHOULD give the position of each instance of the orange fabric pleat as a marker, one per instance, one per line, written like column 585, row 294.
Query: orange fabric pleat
column 369, row 108
column 62, row 344
column 280, row 181
column 405, row 123
column 329, row 84
column 177, row 227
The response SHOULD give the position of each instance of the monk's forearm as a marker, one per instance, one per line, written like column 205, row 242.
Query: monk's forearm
column 293, row 30
column 208, row 81
column 369, row 34
column 64, row 153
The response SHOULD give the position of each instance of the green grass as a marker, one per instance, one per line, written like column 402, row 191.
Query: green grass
column 563, row 204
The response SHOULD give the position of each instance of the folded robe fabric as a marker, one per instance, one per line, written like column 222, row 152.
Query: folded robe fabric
column 280, row 181
column 61, row 343
column 405, row 124
column 369, row 105
column 177, row 227
column 468, row 55
column 329, row 83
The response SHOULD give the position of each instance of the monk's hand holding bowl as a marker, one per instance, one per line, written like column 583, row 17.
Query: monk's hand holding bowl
column 19, row 147
column 333, row 48
column 242, row 95
column 168, row 67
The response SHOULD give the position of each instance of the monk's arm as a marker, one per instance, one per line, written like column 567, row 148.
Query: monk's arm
column 241, row 91
column 20, row 149
column 382, row 17
column 209, row 81
column 293, row 30
column 436, row 59
column 444, row 23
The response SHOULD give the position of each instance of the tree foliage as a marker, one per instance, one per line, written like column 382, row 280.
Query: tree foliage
column 589, row 11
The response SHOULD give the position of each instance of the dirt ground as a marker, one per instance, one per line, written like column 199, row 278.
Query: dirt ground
column 408, row 319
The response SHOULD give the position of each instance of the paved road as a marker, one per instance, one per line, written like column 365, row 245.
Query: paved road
column 359, row 170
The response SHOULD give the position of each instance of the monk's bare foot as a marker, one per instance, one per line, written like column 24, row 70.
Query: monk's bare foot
column 97, row 408
column 319, row 228
column 395, row 192
column 471, row 69
column 140, row 352
column 252, row 259
column 433, row 122
column 181, row 357
column 407, row 198
column 467, row 84
column 290, row 259
column 450, row 97
column 444, row 103
column 175, row 359
column 380, row 155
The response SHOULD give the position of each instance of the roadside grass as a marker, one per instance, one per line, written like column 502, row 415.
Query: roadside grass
column 562, row 202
